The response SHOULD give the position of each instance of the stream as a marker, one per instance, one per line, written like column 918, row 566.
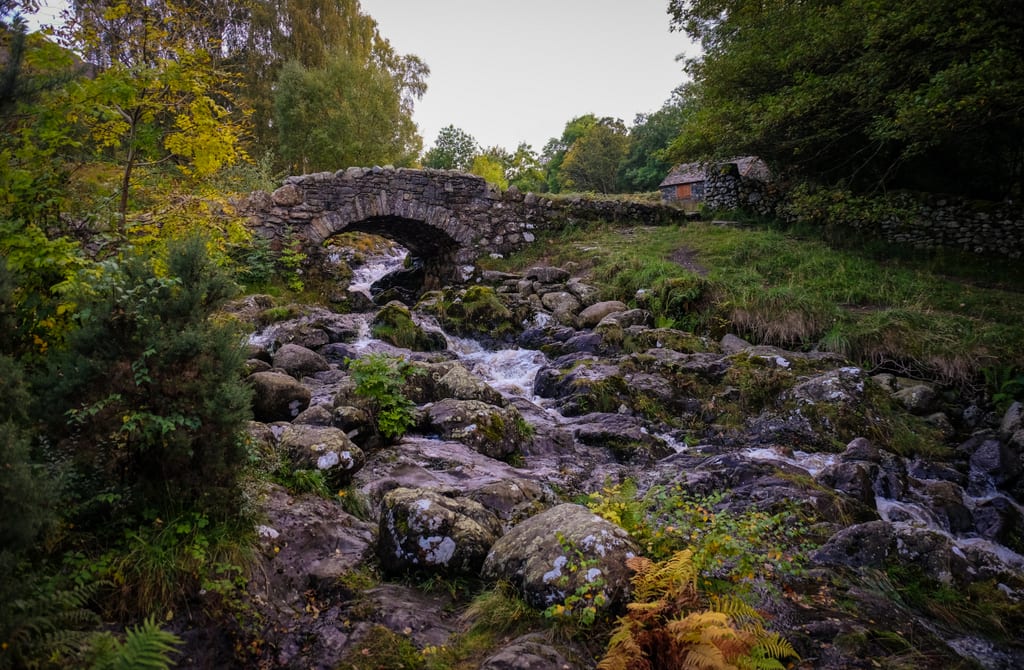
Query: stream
column 512, row 373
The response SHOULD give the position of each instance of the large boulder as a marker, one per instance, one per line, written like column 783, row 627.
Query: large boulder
column 591, row 316
column 529, row 652
column 562, row 305
column 448, row 379
column 497, row 432
column 299, row 361
column 277, row 396
column 307, row 542
column 394, row 325
column 323, row 448
column 560, row 551
column 423, row 530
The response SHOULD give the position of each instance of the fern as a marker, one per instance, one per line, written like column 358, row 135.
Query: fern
column 146, row 647
column 669, row 624
column 47, row 625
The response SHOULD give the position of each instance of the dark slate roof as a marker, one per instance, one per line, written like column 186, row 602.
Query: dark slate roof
column 685, row 173
column 690, row 173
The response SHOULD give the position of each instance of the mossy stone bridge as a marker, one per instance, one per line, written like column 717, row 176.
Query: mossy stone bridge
column 445, row 219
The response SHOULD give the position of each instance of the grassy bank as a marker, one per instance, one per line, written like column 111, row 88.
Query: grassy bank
column 947, row 318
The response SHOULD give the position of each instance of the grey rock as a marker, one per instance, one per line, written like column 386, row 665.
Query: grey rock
column 591, row 316
column 529, row 652
column 317, row 415
column 547, row 274
column 1013, row 420
column 918, row 399
column 551, row 555
column 323, row 448
column 497, row 432
column 277, row 396
column 423, row 530
column 299, row 361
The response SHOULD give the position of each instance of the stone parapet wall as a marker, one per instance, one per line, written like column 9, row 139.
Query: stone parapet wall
column 447, row 218
column 933, row 222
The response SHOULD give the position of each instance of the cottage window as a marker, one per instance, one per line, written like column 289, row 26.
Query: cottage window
column 683, row 191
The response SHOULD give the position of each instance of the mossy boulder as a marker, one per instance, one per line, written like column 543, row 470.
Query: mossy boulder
column 422, row 530
column 562, row 551
column 323, row 448
column 497, row 432
column 448, row 379
column 476, row 311
column 277, row 396
column 394, row 324
column 298, row 361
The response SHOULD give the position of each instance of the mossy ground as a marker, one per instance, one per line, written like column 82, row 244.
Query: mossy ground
column 941, row 316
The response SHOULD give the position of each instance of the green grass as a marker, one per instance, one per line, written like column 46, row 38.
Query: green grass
column 942, row 316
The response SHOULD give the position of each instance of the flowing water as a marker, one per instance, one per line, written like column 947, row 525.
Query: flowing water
column 512, row 371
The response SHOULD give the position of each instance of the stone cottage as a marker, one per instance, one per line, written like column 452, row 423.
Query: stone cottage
column 689, row 183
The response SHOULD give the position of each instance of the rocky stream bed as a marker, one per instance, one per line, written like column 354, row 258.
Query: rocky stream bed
column 528, row 393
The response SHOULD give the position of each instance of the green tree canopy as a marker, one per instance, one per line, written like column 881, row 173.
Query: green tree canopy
column 554, row 151
column 454, row 149
column 923, row 93
column 345, row 113
column 646, row 163
column 592, row 162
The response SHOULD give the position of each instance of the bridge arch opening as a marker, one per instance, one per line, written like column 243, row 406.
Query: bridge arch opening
column 430, row 263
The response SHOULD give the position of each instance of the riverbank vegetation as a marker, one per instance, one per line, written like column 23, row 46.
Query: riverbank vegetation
column 127, row 479
column 947, row 317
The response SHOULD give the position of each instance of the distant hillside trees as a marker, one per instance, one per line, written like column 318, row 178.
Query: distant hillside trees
column 926, row 94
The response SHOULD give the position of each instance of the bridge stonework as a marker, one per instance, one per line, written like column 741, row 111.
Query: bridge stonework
column 447, row 219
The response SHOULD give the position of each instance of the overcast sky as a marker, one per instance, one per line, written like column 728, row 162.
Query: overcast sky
column 508, row 72
column 513, row 71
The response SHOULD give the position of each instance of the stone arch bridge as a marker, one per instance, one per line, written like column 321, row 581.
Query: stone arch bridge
column 445, row 219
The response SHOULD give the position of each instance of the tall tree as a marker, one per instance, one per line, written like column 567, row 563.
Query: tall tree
column 646, row 163
column 554, row 151
column 155, row 97
column 922, row 93
column 592, row 162
column 264, row 35
column 345, row 113
column 453, row 149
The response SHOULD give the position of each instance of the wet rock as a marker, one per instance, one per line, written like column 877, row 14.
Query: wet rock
column 999, row 520
column 405, row 610
column 1013, row 420
column 551, row 555
column 993, row 459
column 299, row 361
column 592, row 315
column 511, row 499
column 626, row 436
column 878, row 543
column 860, row 449
column 394, row 325
column 854, row 479
column 326, row 449
column 562, row 305
column 497, row 432
column 316, row 415
column 277, row 396
column 357, row 423
column 547, row 274
column 918, row 399
column 423, row 530
column 438, row 381
column 946, row 500
column 306, row 543
column 529, row 652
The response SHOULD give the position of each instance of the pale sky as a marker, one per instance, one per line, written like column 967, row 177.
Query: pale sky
column 512, row 71
column 509, row 71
